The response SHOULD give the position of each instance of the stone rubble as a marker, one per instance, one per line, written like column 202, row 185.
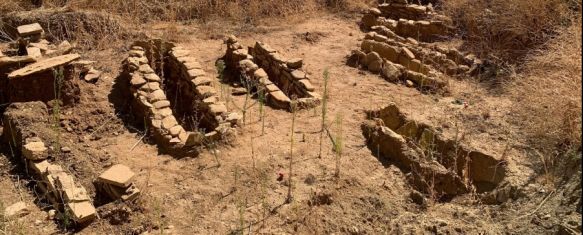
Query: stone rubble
column 395, row 47
column 117, row 183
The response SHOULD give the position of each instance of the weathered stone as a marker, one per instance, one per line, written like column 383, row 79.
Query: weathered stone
column 175, row 130
column 210, row 100
column 161, row 104
column 157, row 95
column 75, row 194
column 34, row 52
column 192, row 65
column 8, row 60
column 118, row 175
column 169, row 122
column 374, row 62
column 35, row 151
column 146, row 69
column 136, row 53
column 164, row 112
column 295, row 63
column 150, row 87
column 82, row 212
column 29, row 30
column 272, row 88
column 239, row 91
column 39, row 167
column 298, row 74
column 16, row 210
column 64, row 47
column 260, row 73
column 92, row 76
column 194, row 73
column 152, row 77
column 202, row 81
column 205, row 91
column 194, row 138
column 217, row 109
column 407, row 53
column 391, row 72
column 43, row 65
column 306, row 84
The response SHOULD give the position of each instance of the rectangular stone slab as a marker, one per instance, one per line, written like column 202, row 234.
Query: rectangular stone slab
column 118, row 175
column 43, row 65
column 29, row 29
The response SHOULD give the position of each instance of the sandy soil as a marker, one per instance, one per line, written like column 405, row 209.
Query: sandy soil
column 207, row 195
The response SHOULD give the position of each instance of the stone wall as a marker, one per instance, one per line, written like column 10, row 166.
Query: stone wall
column 283, row 79
column 23, row 80
column 408, row 20
column 240, row 63
column 191, row 115
column 54, row 184
column 438, row 165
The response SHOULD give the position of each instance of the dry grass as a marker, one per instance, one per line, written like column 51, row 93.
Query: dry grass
column 507, row 30
column 547, row 94
column 244, row 10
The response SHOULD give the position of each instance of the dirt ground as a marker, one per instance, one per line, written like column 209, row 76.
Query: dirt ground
column 239, row 187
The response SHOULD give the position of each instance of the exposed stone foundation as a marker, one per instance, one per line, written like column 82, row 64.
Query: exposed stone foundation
column 438, row 165
column 191, row 114
column 283, row 80
column 54, row 184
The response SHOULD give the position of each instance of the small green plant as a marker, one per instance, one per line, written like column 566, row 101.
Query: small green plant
column 56, row 114
column 262, row 109
column 338, row 143
column 324, row 108
column 291, row 152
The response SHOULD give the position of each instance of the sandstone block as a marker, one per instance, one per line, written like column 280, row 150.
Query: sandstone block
column 29, row 30
column 169, row 122
column 16, row 210
column 202, row 81
column 295, row 63
column 194, row 73
column 217, row 109
column 35, row 151
column 152, row 77
column 161, row 104
column 82, row 212
column 34, row 52
column 43, row 65
column 298, row 74
column 205, row 91
column 118, row 175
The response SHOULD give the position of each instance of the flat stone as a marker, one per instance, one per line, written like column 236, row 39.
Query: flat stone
column 298, row 74
column 64, row 47
column 205, row 91
column 92, row 76
column 40, row 167
column 175, row 130
column 260, row 74
column 43, row 65
column 164, row 112
column 150, row 87
column 202, row 81
column 152, row 77
column 194, row 73
column 8, row 60
column 279, row 96
column 118, row 175
column 183, row 136
column 137, row 53
column 405, row 51
column 239, row 91
column 161, row 104
column 82, row 212
column 137, row 80
column 157, row 95
column 35, row 151
column 217, row 109
column 169, row 122
column 16, row 210
column 157, row 123
column 307, row 84
column 29, row 29
column 295, row 63
column 210, row 100
column 146, row 69
column 272, row 88
column 34, row 52
column 192, row 65
column 75, row 194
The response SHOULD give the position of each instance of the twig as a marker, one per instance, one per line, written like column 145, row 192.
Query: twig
column 136, row 144
column 539, row 206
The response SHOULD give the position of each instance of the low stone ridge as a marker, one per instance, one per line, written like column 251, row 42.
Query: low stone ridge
column 438, row 165
column 189, row 86
column 54, row 184
column 282, row 80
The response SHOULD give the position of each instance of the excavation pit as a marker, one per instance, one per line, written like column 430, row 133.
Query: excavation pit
column 283, row 81
column 438, row 166
column 174, row 98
